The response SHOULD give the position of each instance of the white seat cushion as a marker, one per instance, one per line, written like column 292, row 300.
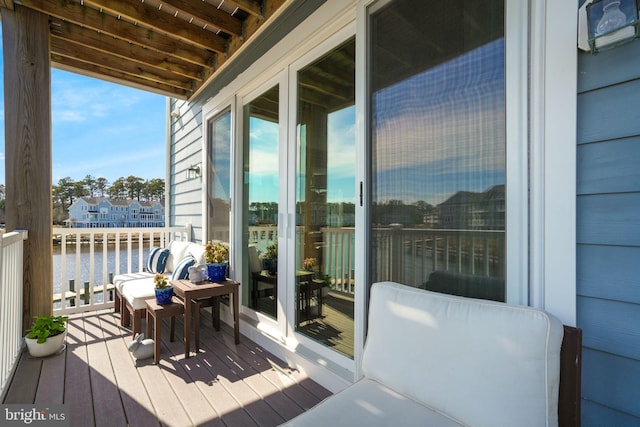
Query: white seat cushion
column 369, row 403
column 137, row 291
column 120, row 279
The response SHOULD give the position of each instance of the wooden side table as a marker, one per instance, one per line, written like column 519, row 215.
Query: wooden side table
column 193, row 293
column 157, row 313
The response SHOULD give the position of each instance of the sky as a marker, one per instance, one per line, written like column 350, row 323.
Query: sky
column 450, row 120
column 100, row 129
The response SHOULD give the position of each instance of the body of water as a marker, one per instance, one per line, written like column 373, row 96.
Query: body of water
column 85, row 269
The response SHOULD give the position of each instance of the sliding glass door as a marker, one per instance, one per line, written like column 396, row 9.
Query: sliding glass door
column 324, row 290
column 219, row 176
column 437, row 145
column 261, row 192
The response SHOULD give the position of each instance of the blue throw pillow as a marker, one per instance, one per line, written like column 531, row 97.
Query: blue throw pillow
column 157, row 260
column 181, row 271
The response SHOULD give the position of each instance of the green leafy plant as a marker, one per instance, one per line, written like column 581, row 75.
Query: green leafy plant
column 326, row 279
column 44, row 327
column 215, row 253
column 160, row 281
column 271, row 251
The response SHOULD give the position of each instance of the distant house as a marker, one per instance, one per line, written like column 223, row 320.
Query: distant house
column 94, row 212
column 473, row 211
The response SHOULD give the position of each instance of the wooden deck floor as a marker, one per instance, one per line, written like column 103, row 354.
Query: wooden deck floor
column 223, row 385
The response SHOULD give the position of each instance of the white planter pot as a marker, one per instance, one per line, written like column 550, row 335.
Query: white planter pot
column 50, row 346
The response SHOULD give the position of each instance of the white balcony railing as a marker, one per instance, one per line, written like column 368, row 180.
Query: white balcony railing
column 11, row 275
column 86, row 259
column 409, row 255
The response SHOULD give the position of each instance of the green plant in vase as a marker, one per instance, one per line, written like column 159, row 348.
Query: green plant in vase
column 163, row 290
column 46, row 335
column 216, row 257
column 270, row 259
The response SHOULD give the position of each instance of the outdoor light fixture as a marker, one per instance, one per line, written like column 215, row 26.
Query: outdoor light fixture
column 611, row 23
column 193, row 172
column 175, row 113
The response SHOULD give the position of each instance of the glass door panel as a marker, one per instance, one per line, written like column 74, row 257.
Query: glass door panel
column 219, row 177
column 437, row 117
column 325, row 200
column 261, row 138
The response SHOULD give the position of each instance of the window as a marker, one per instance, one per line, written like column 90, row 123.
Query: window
column 261, row 191
column 219, row 176
column 437, row 145
column 325, row 199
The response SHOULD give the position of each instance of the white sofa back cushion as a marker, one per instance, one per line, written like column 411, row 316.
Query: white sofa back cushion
column 177, row 251
column 484, row 363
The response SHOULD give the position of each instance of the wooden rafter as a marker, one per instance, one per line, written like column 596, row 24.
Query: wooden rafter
column 157, row 20
column 123, row 49
column 209, row 14
column 116, row 63
column 166, row 46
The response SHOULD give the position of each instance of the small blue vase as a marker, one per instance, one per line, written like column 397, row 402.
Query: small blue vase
column 271, row 265
column 217, row 272
column 163, row 296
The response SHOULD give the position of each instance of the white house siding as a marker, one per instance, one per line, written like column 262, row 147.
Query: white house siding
column 608, row 234
column 185, row 149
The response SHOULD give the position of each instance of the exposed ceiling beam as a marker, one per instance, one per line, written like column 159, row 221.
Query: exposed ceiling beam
column 107, row 24
column 153, row 18
column 253, row 7
column 91, row 70
column 94, row 57
column 171, row 47
column 128, row 51
column 208, row 13
column 7, row 4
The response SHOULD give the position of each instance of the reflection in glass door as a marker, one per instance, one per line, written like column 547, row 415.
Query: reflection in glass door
column 219, row 177
column 437, row 118
column 325, row 200
column 260, row 146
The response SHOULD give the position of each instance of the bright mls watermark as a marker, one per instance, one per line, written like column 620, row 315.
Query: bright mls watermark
column 34, row 415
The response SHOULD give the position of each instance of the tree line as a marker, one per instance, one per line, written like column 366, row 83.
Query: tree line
column 132, row 187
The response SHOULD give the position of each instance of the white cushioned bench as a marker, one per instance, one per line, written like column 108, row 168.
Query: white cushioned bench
column 133, row 289
column 439, row 360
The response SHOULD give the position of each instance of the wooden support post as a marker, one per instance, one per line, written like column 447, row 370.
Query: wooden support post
column 27, row 100
column 72, row 288
column 86, row 297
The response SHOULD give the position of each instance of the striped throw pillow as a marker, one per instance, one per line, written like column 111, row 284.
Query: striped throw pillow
column 181, row 270
column 157, row 260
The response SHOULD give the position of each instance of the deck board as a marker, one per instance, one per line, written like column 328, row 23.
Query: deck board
column 135, row 401
column 223, row 385
column 51, row 383
column 78, row 397
column 24, row 391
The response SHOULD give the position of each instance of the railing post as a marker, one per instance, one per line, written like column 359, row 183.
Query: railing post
column 396, row 252
column 72, row 288
column 86, row 296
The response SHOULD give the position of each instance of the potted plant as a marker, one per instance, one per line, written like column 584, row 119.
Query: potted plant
column 270, row 259
column 47, row 335
column 326, row 284
column 308, row 264
column 164, row 291
column 216, row 256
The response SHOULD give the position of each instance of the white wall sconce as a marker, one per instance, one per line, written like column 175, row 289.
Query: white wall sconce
column 175, row 113
column 605, row 24
column 193, row 172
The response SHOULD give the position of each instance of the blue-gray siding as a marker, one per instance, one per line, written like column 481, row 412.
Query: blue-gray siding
column 186, row 149
column 608, row 234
